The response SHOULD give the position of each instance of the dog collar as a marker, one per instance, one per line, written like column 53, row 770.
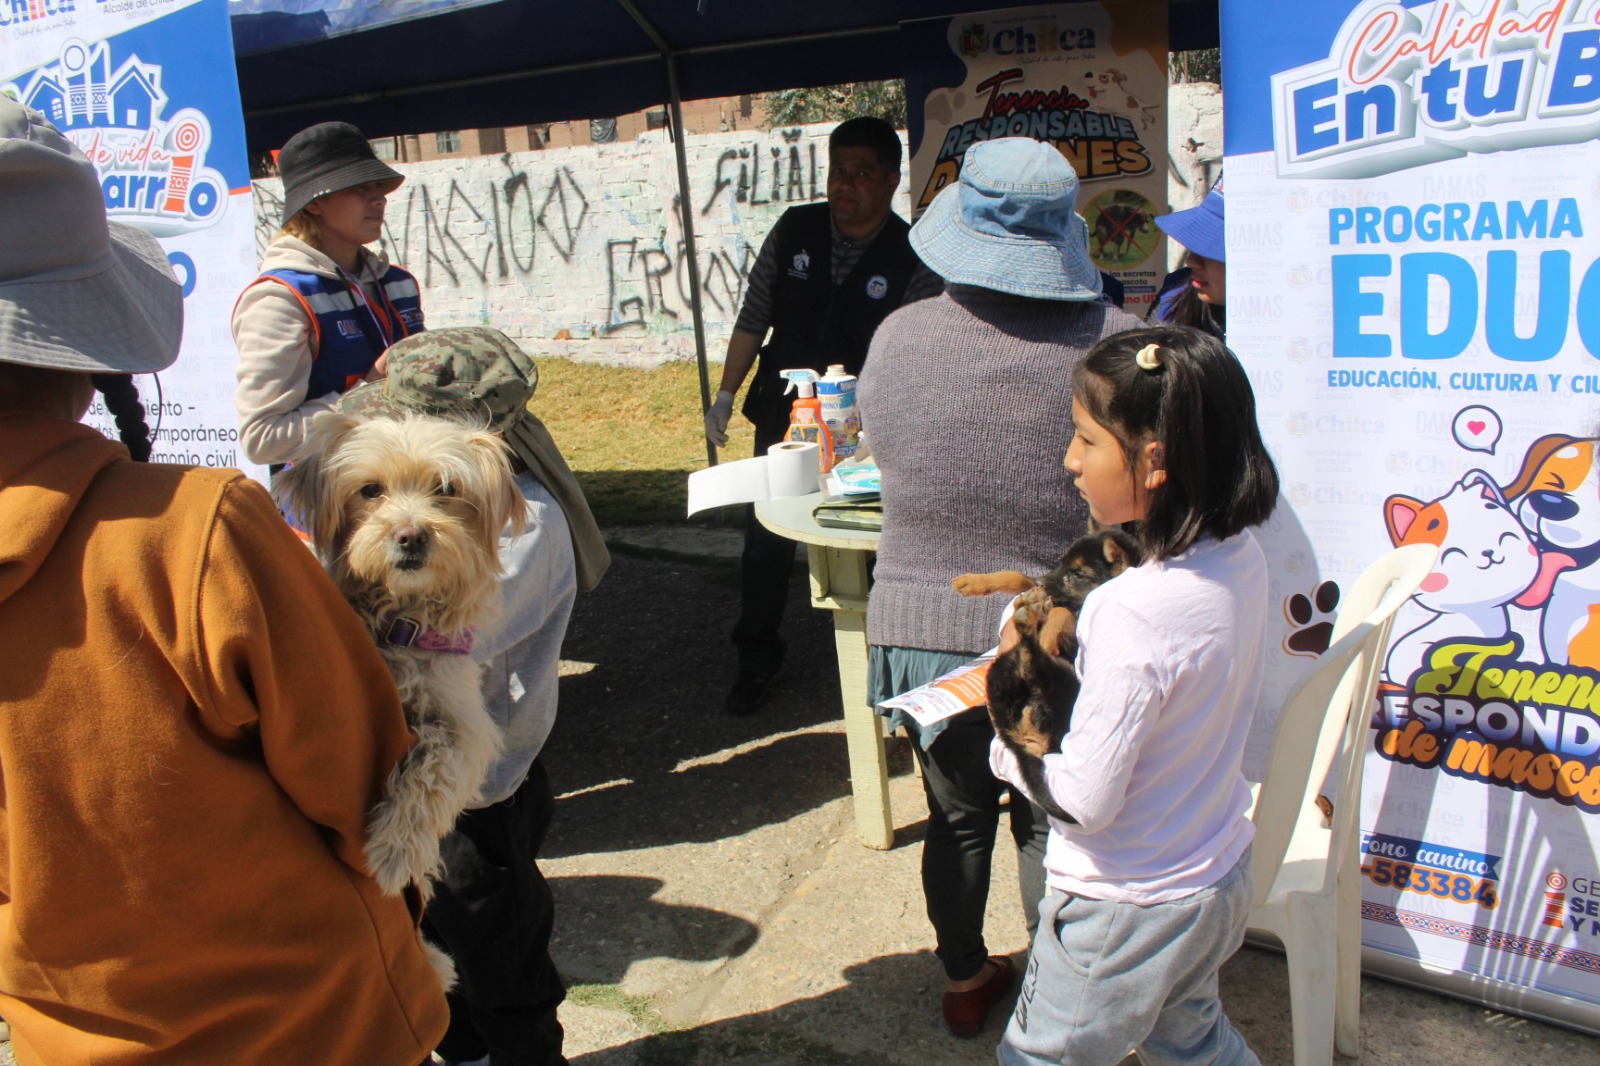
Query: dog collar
column 403, row 632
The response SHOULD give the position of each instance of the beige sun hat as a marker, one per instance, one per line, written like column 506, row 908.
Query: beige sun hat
column 77, row 292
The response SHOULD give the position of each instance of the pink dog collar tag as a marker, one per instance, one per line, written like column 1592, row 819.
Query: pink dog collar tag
column 403, row 632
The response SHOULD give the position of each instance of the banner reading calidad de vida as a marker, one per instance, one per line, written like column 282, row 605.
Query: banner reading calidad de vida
column 1413, row 234
column 148, row 90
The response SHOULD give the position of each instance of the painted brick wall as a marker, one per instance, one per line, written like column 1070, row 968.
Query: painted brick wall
column 578, row 252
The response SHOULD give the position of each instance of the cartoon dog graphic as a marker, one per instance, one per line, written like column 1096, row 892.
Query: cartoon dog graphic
column 1486, row 561
column 1557, row 496
column 1147, row 112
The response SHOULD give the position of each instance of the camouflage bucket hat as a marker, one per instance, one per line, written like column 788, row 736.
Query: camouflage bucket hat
column 468, row 374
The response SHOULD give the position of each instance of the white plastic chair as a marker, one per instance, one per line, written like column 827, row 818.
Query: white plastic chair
column 1307, row 875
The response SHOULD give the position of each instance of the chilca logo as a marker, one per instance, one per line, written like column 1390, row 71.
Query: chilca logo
column 1405, row 86
column 16, row 12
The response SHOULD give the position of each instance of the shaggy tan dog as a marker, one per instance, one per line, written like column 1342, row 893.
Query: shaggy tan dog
column 406, row 515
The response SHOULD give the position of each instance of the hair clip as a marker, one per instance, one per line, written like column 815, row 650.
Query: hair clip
column 1149, row 357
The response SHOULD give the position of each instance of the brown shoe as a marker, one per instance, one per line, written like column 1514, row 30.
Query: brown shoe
column 964, row 1012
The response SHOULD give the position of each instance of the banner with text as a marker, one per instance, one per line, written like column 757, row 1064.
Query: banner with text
column 1413, row 228
column 1090, row 79
column 147, row 89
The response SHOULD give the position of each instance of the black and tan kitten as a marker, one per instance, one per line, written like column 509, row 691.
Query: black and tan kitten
column 1033, row 685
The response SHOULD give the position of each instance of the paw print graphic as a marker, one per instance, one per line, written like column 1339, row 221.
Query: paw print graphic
column 1312, row 617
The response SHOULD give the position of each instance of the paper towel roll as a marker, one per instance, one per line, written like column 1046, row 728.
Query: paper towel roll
column 790, row 468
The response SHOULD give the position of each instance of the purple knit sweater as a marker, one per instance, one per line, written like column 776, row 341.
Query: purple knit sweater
column 966, row 400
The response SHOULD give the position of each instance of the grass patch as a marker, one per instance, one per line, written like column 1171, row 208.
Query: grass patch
column 725, row 1041
column 609, row 997
column 633, row 436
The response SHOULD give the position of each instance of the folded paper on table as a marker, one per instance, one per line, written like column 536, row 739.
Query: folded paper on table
column 948, row 694
column 790, row 468
column 865, row 513
column 847, row 482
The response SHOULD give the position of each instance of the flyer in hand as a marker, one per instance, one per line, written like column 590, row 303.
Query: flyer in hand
column 949, row 694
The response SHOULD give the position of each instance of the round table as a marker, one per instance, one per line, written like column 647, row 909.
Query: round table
column 838, row 561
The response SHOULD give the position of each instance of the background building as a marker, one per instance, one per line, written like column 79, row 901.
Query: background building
column 719, row 115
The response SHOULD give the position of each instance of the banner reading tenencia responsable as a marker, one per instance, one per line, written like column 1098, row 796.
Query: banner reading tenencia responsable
column 147, row 89
column 1413, row 231
column 1090, row 79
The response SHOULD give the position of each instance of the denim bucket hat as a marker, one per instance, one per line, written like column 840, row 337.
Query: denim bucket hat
column 1009, row 224
column 1199, row 229
column 77, row 292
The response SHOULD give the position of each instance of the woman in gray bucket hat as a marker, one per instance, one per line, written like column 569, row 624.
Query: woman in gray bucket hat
column 326, row 306
column 195, row 724
column 967, row 402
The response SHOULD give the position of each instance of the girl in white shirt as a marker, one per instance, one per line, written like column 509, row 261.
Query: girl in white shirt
column 1150, row 876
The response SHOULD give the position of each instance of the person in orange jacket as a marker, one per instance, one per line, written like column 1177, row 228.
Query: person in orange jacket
column 195, row 723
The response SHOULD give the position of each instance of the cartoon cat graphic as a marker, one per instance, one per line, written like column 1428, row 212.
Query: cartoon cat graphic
column 1487, row 560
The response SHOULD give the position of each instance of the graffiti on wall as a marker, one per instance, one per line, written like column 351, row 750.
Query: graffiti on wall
column 636, row 292
column 586, row 243
column 485, row 231
column 458, row 232
column 784, row 178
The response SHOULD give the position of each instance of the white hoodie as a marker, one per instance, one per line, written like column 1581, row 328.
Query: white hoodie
column 274, row 338
column 521, row 650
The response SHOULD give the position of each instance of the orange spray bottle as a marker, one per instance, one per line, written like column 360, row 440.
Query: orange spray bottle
column 805, row 416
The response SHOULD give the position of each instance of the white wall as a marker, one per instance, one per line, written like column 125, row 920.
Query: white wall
column 584, row 243
column 578, row 252
column 1194, row 147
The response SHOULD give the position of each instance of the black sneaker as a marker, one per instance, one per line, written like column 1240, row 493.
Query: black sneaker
column 749, row 692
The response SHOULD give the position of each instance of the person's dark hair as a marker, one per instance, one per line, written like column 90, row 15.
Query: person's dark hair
column 122, row 400
column 1196, row 404
column 868, row 132
column 1189, row 310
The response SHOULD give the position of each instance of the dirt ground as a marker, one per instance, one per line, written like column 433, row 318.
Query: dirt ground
column 715, row 909
column 648, row 662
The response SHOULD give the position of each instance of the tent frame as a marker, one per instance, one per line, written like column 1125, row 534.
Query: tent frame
column 669, row 60
column 673, row 58
column 668, row 55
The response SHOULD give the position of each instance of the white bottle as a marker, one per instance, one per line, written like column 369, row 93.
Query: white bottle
column 837, row 391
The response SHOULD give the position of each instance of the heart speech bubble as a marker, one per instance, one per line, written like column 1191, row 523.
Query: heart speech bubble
column 1476, row 428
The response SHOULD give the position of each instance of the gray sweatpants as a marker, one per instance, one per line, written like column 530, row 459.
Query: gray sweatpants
column 1107, row 978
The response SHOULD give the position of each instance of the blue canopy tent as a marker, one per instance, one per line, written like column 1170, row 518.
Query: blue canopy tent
column 414, row 66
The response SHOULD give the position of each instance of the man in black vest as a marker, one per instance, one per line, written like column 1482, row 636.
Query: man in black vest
column 826, row 276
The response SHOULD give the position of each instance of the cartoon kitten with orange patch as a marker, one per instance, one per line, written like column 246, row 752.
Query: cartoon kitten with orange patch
column 1487, row 560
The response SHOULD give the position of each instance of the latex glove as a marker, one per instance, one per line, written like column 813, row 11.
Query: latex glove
column 717, row 416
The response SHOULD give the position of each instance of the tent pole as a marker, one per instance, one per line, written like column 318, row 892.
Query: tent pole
column 685, row 204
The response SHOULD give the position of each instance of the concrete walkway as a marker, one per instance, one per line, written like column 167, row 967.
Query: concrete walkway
column 715, row 908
